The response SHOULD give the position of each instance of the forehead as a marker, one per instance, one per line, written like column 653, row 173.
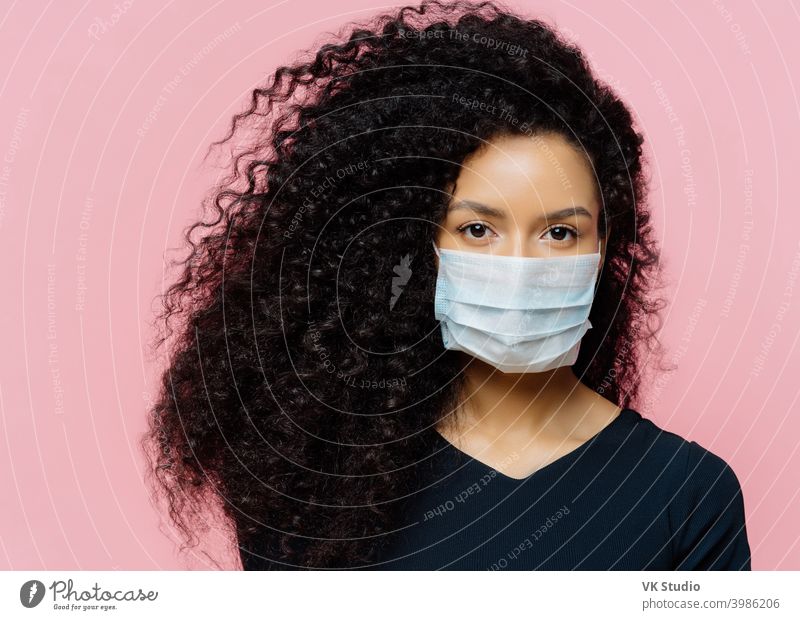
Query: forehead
column 544, row 170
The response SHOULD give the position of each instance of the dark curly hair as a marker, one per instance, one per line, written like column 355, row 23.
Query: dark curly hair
column 296, row 398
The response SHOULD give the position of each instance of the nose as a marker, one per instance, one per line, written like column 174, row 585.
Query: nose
column 521, row 246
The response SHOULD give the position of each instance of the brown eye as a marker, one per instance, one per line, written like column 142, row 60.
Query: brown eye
column 560, row 232
column 476, row 230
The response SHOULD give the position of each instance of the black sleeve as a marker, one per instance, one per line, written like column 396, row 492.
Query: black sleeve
column 711, row 532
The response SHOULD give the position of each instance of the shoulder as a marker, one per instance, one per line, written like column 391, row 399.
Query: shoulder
column 706, row 510
column 643, row 442
column 704, row 467
column 695, row 464
column 711, row 533
column 694, row 467
column 711, row 487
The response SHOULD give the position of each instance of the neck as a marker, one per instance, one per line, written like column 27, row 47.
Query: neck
column 495, row 402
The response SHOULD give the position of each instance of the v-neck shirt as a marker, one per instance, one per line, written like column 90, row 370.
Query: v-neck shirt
column 632, row 497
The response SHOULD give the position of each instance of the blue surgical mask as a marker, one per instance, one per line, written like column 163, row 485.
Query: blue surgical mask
column 519, row 314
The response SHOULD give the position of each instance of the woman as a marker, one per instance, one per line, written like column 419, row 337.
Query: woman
column 412, row 337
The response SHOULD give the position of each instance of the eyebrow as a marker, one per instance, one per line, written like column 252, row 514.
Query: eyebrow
column 488, row 211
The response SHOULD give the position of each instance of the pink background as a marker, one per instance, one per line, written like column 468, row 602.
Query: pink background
column 92, row 193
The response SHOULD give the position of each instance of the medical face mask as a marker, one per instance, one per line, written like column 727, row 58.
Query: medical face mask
column 520, row 314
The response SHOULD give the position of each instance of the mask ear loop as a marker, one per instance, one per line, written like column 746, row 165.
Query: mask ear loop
column 599, row 267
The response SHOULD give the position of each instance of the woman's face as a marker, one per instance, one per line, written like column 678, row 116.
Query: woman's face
column 531, row 196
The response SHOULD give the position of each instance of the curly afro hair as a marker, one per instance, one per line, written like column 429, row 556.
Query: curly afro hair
column 298, row 399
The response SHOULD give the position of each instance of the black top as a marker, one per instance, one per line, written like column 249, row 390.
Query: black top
column 633, row 497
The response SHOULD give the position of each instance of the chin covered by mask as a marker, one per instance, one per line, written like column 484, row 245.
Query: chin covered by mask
column 519, row 314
